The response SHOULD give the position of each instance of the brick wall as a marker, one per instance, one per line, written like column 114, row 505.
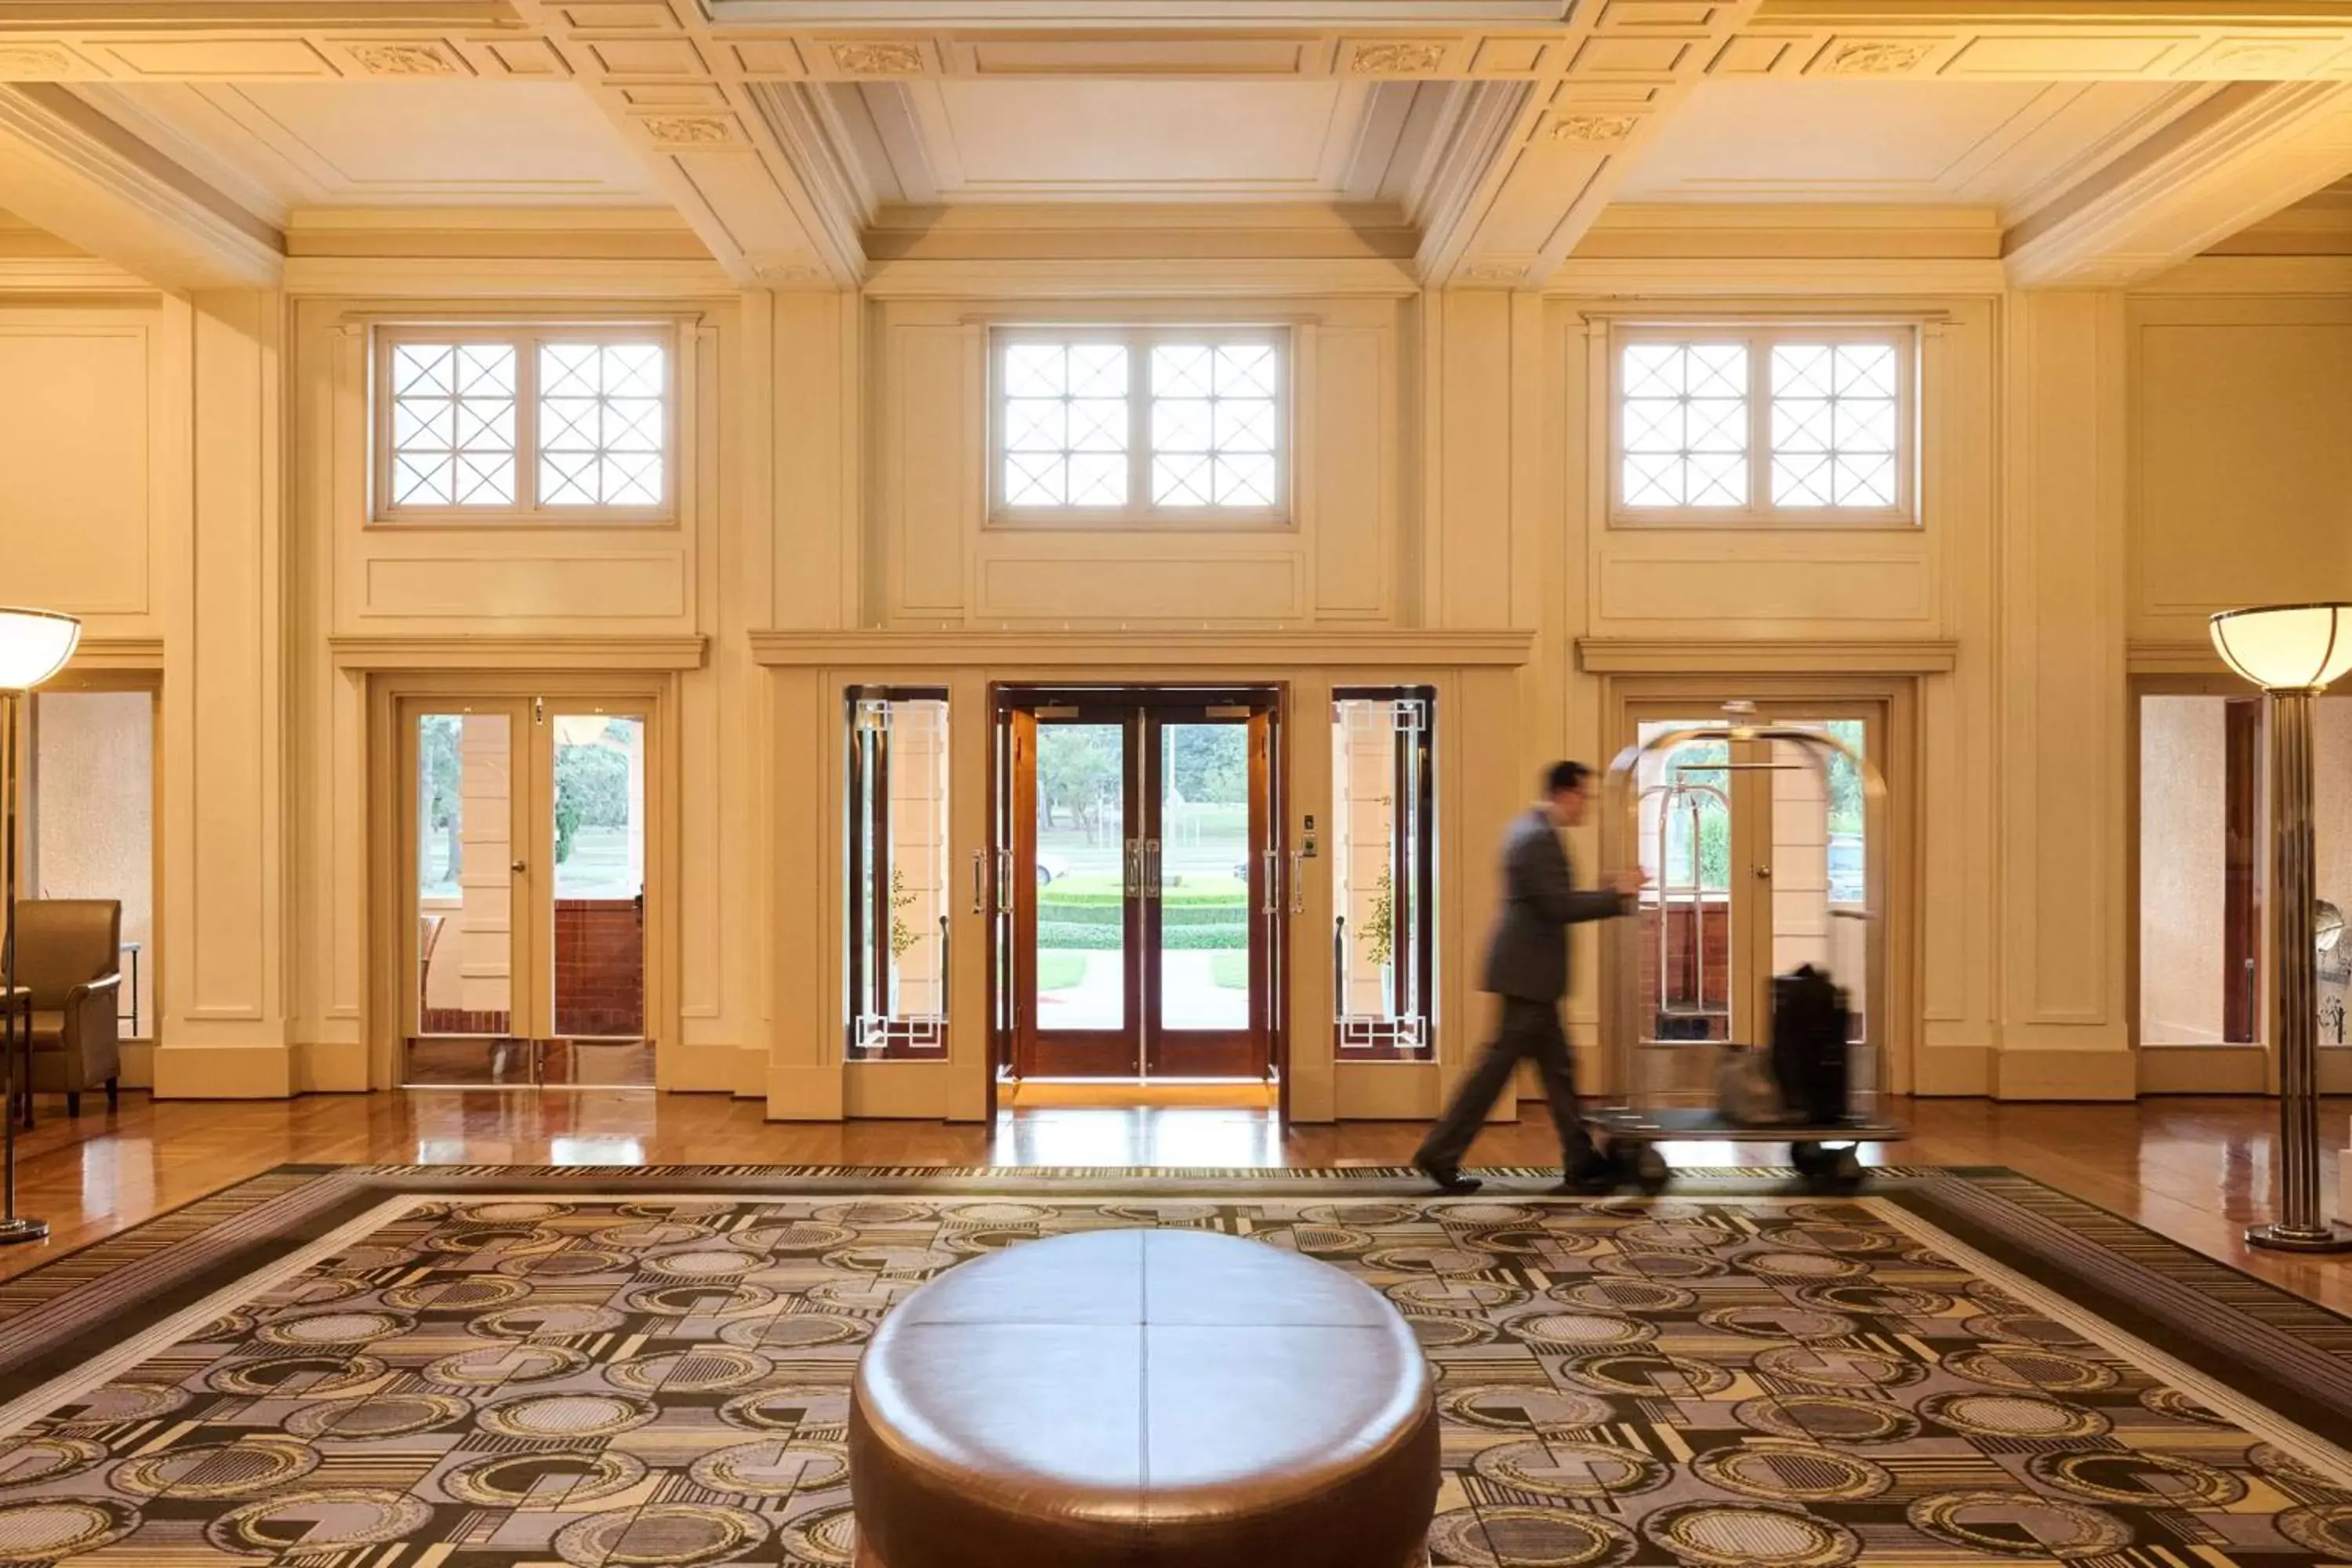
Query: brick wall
column 600, row 967
column 1682, row 977
column 600, row 975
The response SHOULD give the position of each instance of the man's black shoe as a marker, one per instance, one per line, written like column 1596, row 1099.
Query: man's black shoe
column 1449, row 1181
column 1596, row 1180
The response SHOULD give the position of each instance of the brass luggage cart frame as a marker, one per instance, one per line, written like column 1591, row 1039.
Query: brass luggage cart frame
column 1667, row 1043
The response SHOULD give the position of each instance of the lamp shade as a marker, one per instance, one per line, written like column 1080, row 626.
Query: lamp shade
column 2286, row 648
column 34, row 646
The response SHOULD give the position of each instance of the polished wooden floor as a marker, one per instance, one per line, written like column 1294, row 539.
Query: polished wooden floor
column 2197, row 1170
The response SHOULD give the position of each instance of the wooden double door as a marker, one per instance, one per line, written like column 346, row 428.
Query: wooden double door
column 1139, row 883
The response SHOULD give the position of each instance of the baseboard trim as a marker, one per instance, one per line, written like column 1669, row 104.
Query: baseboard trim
column 2044, row 1073
column 264, row 1071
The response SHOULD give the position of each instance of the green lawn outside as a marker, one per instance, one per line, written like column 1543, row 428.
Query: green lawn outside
column 1058, row 970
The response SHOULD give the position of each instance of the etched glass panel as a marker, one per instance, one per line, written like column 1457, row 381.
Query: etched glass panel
column 1682, row 411
column 1062, row 424
column 1835, row 426
column 1215, row 424
column 453, row 424
column 603, row 423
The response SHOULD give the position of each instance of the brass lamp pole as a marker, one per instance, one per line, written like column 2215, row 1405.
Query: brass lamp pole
column 34, row 646
column 2292, row 652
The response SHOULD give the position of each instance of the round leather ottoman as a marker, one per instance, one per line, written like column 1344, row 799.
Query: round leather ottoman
column 1164, row 1397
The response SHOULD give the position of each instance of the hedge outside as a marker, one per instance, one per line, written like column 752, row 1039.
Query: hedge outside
column 1058, row 912
column 1068, row 937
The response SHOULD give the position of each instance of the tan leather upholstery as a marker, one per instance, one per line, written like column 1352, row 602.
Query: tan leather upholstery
column 67, row 954
column 1148, row 1398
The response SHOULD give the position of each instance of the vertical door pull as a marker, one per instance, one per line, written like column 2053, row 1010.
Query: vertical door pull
column 1134, row 868
column 1271, row 903
column 1299, row 881
column 1003, row 881
column 1152, row 868
column 979, row 882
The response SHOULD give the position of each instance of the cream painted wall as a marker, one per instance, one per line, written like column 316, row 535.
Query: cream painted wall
column 2077, row 450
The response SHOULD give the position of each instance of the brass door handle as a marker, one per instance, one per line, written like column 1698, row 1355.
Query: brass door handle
column 517, row 867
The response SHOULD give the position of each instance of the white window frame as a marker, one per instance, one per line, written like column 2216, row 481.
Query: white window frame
column 1759, row 339
column 1140, row 512
column 526, row 340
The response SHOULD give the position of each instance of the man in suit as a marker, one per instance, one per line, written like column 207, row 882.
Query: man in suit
column 1527, row 968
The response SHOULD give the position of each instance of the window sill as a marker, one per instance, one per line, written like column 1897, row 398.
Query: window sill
column 1140, row 522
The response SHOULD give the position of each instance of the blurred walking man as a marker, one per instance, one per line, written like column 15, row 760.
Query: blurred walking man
column 1527, row 968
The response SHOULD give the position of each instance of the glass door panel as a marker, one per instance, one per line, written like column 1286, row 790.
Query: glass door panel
column 1203, row 877
column 1084, row 867
column 465, row 860
column 593, row 802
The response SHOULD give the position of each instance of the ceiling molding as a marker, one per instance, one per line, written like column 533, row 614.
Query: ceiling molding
column 1194, row 277
column 382, row 276
column 1045, row 231
column 1106, row 648
column 69, row 170
column 1767, row 277
column 2247, row 151
column 2221, row 277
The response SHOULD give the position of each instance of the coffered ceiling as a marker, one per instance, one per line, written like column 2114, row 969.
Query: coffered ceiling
column 280, row 147
column 2106, row 140
column 2009, row 145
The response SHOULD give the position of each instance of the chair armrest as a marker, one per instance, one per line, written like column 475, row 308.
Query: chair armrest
column 104, row 983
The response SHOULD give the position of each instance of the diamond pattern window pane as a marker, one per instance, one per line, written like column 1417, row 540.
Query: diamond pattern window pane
column 1683, row 424
column 1216, row 424
column 453, row 424
column 1836, row 417
column 603, row 424
column 1062, row 422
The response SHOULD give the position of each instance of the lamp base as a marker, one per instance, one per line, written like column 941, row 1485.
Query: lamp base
column 2329, row 1238
column 15, row 1230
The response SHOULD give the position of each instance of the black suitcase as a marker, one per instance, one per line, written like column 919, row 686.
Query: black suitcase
column 1809, row 1046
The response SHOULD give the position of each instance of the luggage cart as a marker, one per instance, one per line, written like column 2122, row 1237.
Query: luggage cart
column 1669, row 1032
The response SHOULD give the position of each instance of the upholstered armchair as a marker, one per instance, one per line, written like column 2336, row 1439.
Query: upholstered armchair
column 68, row 956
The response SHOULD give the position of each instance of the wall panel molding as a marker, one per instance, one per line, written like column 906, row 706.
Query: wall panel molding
column 1774, row 656
column 582, row 651
column 1094, row 651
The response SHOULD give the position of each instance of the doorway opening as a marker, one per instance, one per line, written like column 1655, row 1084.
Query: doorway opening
column 524, row 850
column 1137, row 934
column 1758, row 866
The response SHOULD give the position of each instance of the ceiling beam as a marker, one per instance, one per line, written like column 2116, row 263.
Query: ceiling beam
column 730, row 151
column 1550, row 173
column 2247, row 151
column 75, row 173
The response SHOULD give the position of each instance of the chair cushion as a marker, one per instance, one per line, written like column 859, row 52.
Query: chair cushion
column 48, row 1028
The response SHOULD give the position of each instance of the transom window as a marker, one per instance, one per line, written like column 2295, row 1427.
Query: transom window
column 1152, row 424
column 554, row 423
column 1782, row 425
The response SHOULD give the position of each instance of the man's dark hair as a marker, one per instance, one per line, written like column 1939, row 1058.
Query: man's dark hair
column 1565, row 775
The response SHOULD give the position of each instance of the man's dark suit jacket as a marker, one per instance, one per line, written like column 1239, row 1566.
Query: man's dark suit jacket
column 1528, row 955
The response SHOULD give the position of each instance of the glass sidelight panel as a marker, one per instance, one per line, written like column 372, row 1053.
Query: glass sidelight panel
column 465, row 859
column 1383, row 938
column 1199, row 876
column 899, row 872
column 2200, row 919
column 1084, row 867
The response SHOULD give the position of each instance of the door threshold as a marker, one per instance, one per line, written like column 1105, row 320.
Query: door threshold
column 1224, row 1094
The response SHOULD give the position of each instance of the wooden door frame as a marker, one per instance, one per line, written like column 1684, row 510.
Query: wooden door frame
column 386, row 924
column 1008, row 701
column 1899, row 1011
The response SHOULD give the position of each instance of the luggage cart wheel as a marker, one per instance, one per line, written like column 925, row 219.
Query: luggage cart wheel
column 1808, row 1158
column 1844, row 1169
column 1650, row 1170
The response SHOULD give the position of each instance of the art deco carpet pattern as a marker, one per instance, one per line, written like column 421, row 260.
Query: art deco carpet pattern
column 594, row 1372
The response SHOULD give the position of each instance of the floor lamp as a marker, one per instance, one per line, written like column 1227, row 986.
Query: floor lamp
column 2292, row 652
column 34, row 646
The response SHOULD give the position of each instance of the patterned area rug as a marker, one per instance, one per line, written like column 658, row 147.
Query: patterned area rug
column 511, row 1368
